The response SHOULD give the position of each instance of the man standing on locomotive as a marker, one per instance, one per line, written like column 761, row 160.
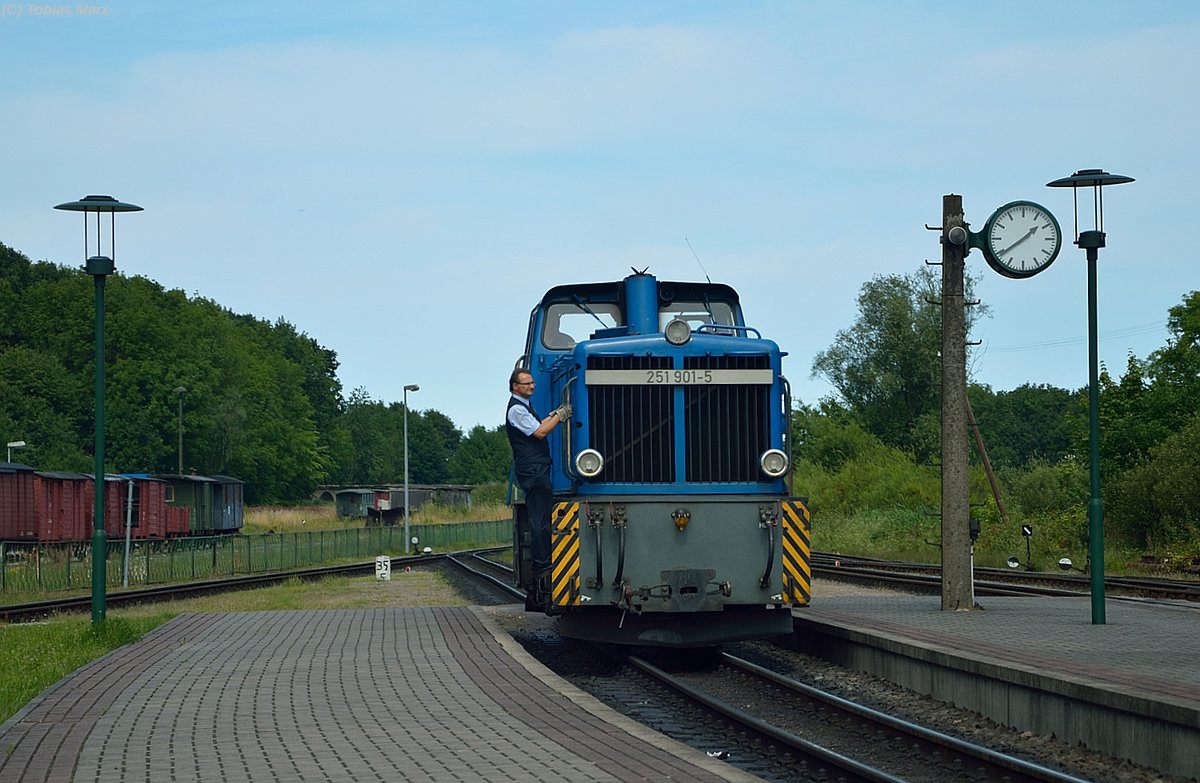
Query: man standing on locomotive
column 531, row 462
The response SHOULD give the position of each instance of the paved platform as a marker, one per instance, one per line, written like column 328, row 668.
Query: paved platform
column 367, row 695
column 1129, row 687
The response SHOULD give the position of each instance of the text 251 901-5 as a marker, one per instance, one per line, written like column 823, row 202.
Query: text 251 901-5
column 678, row 376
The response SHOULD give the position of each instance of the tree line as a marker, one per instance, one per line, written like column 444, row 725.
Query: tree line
column 263, row 402
column 886, row 372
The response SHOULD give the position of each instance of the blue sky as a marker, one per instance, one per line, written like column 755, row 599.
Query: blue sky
column 403, row 181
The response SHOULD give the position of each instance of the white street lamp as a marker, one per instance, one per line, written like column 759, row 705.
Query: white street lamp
column 14, row 444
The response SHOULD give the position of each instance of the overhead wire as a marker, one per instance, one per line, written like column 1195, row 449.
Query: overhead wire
column 1114, row 334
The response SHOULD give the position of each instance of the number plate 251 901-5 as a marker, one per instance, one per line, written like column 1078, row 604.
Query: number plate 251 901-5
column 677, row 377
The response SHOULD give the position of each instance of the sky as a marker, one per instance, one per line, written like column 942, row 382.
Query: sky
column 403, row 181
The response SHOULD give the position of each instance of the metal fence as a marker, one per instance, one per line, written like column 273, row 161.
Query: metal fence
column 30, row 567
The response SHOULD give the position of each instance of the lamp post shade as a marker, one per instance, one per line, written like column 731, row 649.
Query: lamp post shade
column 1088, row 178
column 98, row 204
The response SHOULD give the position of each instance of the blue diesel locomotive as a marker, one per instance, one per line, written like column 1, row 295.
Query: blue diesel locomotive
column 673, row 523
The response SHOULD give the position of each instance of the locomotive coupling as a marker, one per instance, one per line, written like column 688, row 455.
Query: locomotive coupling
column 681, row 516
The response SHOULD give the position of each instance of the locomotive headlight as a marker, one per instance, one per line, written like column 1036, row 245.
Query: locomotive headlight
column 677, row 331
column 589, row 463
column 774, row 463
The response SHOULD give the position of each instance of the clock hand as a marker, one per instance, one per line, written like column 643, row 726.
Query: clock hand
column 1028, row 234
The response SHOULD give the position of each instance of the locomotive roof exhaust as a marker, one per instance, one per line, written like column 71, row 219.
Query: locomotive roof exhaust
column 641, row 303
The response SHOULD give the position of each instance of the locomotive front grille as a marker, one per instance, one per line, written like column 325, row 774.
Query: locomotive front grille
column 725, row 426
column 633, row 426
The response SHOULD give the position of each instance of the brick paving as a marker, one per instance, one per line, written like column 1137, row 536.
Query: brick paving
column 443, row 695
column 359, row 695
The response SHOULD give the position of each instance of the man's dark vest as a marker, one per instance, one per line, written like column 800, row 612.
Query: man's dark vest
column 528, row 451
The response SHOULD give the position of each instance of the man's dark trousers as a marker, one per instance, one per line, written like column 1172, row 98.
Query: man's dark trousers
column 538, row 501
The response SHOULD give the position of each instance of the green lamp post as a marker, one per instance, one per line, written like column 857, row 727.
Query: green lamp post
column 1092, row 241
column 410, row 387
column 99, row 266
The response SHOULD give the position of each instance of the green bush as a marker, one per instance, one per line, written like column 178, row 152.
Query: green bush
column 876, row 477
column 829, row 440
column 492, row 493
column 894, row 534
column 1045, row 486
column 1157, row 502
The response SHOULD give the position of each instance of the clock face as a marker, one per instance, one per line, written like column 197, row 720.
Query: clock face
column 1022, row 239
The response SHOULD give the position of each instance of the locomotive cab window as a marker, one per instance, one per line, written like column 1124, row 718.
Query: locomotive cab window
column 696, row 313
column 570, row 323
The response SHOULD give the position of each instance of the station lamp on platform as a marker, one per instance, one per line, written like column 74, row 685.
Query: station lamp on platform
column 1091, row 241
column 179, row 392
column 99, row 266
column 407, row 540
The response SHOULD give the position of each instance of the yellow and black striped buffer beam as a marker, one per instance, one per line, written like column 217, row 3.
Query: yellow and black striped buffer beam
column 797, row 572
column 564, row 554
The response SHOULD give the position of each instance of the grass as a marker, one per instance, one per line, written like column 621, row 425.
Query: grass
column 37, row 655
column 905, row 534
column 322, row 516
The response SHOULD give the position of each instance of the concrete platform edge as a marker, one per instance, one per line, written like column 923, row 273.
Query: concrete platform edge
column 1163, row 736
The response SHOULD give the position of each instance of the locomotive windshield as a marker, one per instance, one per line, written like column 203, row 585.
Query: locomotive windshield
column 568, row 323
column 573, row 322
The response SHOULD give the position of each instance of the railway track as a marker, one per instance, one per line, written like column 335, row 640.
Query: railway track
column 852, row 742
column 914, row 576
column 497, row 576
column 996, row 581
column 24, row 612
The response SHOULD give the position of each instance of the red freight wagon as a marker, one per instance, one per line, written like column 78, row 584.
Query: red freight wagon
column 16, row 501
column 64, row 506
column 178, row 520
column 148, row 512
column 117, row 502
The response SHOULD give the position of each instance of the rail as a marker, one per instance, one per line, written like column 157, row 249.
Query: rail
column 169, row 592
column 33, row 567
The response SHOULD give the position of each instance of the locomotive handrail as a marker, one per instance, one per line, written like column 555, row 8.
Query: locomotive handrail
column 787, row 428
column 765, row 579
column 599, row 557
column 568, row 466
column 716, row 329
column 620, row 552
column 595, row 522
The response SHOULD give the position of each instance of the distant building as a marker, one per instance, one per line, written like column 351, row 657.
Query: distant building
column 385, row 502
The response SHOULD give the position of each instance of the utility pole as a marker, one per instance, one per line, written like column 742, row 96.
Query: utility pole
column 957, row 578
